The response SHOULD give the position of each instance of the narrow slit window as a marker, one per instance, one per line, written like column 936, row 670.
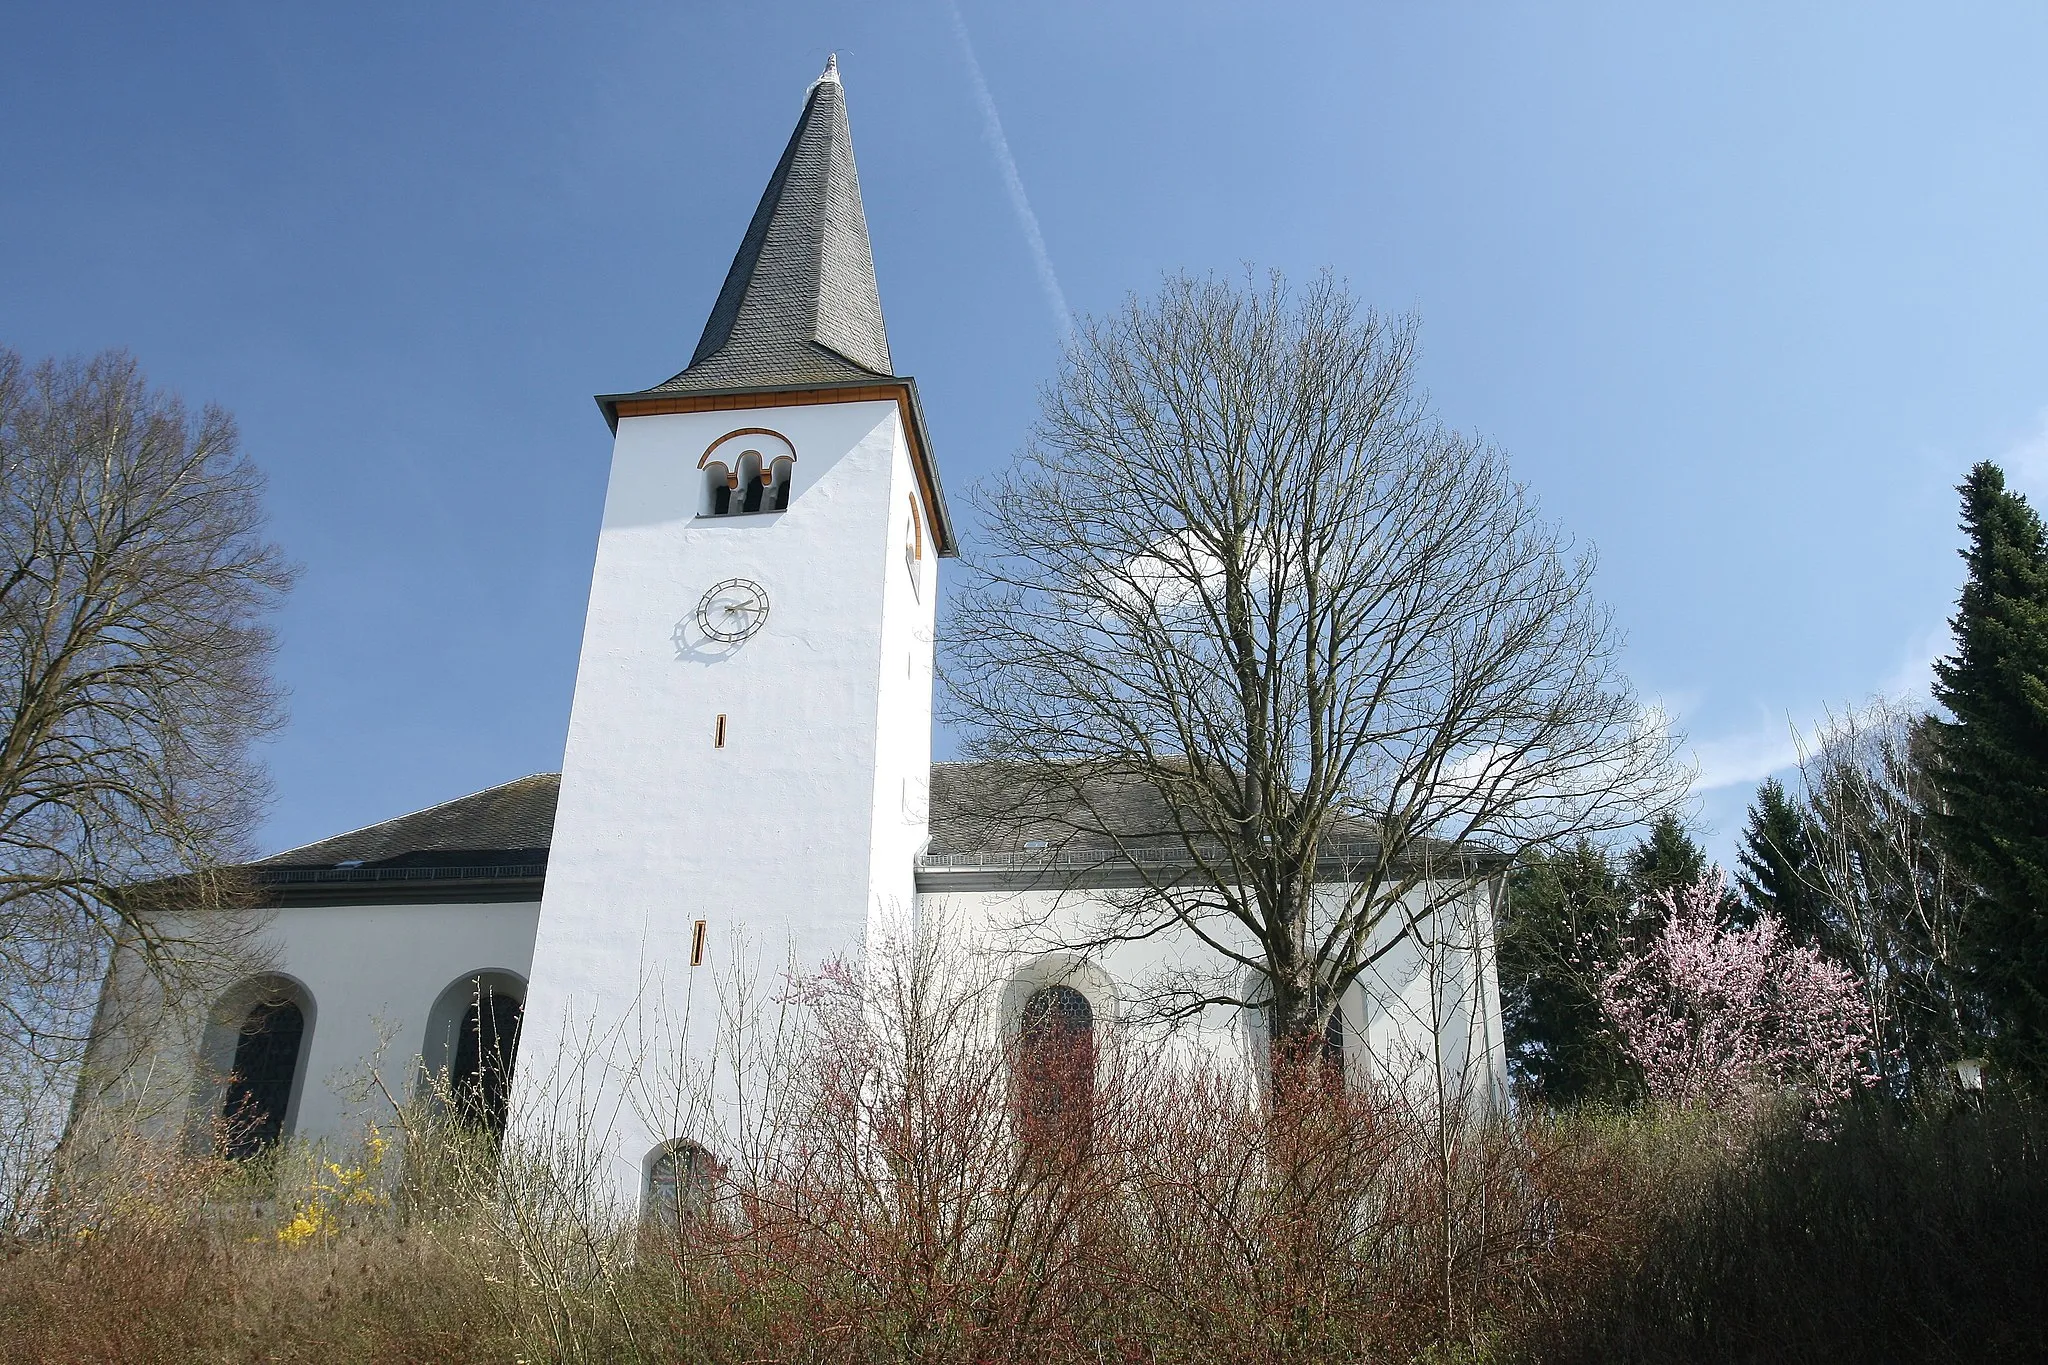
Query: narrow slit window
column 718, row 732
column 749, row 477
column 697, row 944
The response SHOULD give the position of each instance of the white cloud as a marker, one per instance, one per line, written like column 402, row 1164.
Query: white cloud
column 1771, row 745
column 1745, row 757
column 1913, row 679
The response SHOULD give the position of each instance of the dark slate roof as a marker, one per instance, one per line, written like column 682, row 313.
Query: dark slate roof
column 982, row 808
column 516, row 817
column 493, row 844
column 976, row 808
column 800, row 305
column 800, row 309
column 987, row 819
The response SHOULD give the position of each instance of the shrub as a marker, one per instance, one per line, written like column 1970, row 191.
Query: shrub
column 1908, row 1234
column 876, row 1203
column 1731, row 1017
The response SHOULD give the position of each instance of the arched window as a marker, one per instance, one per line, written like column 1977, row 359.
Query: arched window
column 259, row 1088
column 1333, row 1045
column 481, row 1077
column 680, row 1177
column 745, row 471
column 1054, row 1083
column 750, row 472
column 471, row 1044
column 719, row 483
column 1328, row 1056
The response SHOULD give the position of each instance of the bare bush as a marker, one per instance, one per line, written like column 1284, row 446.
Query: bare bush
column 1890, row 900
column 887, row 1202
column 896, row 1191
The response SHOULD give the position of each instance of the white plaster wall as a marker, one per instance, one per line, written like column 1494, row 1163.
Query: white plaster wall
column 1411, row 1009
column 377, row 968
column 375, row 971
column 371, row 972
column 903, row 756
column 796, row 831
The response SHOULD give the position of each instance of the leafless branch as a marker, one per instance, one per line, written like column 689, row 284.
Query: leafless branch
column 134, row 674
column 1251, row 621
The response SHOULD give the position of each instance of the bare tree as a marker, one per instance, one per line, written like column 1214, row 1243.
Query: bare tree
column 1253, row 622
column 134, row 674
column 1891, row 901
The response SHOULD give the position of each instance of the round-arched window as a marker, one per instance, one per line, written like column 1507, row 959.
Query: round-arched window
column 679, row 1183
column 485, row 1048
column 1055, row 1070
column 746, row 471
column 259, row 1089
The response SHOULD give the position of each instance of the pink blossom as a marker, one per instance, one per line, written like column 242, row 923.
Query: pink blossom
column 1722, row 1016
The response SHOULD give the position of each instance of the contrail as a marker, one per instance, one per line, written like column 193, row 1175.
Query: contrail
column 992, row 132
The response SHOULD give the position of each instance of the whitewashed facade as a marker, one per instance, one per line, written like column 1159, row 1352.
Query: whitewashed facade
column 748, row 770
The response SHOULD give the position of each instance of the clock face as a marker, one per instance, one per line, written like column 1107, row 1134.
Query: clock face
column 731, row 611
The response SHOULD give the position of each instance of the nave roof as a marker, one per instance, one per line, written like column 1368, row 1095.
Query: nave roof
column 493, row 844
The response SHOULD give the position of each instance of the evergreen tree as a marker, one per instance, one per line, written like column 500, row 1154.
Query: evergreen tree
column 1668, row 859
column 1776, row 871
column 1571, row 915
column 1566, row 916
column 1991, row 762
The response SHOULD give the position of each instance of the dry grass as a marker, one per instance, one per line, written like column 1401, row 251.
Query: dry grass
column 1912, row 1233
column 380, row 1296
column 1613, row 1237
column 886, row 1202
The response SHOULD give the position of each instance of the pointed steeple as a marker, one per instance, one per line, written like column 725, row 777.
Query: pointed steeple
column 800, row 319
column 800, row 305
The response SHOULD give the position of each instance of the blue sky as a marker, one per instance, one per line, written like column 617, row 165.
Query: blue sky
column 1743, row 291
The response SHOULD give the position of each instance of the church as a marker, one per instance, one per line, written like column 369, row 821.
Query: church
column 748, row 769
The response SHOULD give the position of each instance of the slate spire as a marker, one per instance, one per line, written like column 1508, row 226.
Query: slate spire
column 800, row 305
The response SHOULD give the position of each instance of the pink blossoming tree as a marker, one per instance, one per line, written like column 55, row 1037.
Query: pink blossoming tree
column 1725, row 1017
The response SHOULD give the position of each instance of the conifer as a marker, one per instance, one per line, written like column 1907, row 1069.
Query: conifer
column 1565, row 919
column 1667, row 859
column 1991, row 762
column 1775, row 867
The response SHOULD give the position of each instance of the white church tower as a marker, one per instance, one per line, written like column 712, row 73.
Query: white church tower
column 750, row 743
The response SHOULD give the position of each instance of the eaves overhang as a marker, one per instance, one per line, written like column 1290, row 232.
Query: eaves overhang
column 1093, row 868
column 514, row 882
